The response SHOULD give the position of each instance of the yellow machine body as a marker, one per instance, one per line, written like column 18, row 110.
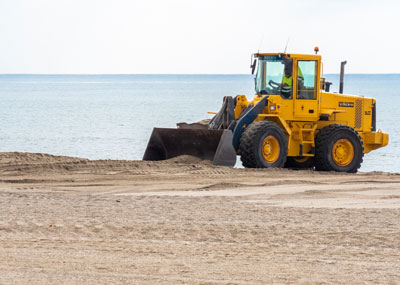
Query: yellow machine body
column 293, row 121
column 301, row 119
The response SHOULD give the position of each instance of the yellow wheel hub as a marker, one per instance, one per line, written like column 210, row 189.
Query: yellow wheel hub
column 343, row 152
column 271, row 149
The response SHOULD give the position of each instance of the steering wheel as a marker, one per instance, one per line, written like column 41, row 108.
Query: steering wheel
column 276, row 87
column 273, row 84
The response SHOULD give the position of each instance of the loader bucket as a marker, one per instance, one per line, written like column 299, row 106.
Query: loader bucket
column 214, row 145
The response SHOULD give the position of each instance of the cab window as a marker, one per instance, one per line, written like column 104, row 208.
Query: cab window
column 306, row 79
column 274, row 76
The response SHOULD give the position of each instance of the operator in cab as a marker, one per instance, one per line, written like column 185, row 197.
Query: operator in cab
column 287, row 81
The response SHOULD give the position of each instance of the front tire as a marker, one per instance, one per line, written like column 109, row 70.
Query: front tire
column 263, row 144
column 338, row 148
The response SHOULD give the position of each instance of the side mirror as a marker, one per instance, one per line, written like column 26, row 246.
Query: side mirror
column 253, row 66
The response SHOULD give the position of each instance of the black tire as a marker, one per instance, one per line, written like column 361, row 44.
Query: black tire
column 328, row 139
column 306, row 162
column 254, row 142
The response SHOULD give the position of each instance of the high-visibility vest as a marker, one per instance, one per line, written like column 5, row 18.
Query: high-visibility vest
column 288, row 80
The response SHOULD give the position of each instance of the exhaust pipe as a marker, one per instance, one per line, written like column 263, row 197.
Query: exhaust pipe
column 342, row 64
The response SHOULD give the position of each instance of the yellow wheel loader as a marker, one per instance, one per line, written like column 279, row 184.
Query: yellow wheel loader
column 292, row 121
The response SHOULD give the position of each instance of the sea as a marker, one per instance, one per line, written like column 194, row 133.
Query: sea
column 112, row 116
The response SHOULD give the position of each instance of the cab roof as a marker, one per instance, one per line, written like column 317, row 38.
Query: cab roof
column 291, row 55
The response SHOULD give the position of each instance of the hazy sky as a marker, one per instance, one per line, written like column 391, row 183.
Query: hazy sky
column 203, row 36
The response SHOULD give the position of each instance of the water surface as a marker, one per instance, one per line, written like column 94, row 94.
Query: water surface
column 112, row 116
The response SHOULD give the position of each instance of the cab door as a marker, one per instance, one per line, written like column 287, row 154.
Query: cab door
column 305, row 90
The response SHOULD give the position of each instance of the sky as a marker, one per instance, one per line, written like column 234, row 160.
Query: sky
column 195, row 37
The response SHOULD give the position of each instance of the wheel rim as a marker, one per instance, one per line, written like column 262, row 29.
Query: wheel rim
column 343, row 152
column 271, row 149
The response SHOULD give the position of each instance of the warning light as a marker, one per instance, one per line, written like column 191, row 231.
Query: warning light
column 316, row 49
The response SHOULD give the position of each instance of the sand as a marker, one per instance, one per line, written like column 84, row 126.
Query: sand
column 67, row 220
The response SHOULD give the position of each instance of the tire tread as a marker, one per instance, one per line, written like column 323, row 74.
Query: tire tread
column 321, row 141
column 249, row 143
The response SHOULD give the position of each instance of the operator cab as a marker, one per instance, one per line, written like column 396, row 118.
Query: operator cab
column 275, row 76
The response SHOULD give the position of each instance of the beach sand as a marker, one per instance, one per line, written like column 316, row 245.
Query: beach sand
column 67, row 220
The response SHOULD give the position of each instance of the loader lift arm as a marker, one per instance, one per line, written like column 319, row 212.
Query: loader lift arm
column 248, row 117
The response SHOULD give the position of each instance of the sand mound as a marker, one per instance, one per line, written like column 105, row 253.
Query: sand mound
column 19, row 158
column 187, row 159
column 18, row 163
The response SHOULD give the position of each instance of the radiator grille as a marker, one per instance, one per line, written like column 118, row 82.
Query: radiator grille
column 358, row 114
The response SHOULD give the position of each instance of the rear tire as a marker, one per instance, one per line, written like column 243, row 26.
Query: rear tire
column 263, row 144
column 338, row 148
column 305, row 162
